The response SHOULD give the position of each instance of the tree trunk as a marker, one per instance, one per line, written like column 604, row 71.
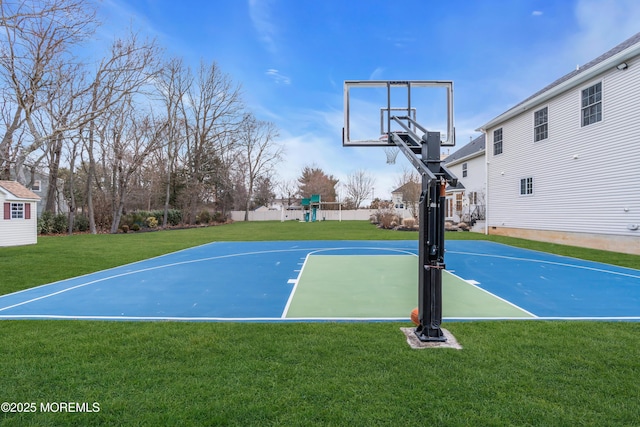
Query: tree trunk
column 90, row 174
column 54, row 165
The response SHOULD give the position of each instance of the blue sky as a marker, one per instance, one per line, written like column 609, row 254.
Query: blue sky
column 291, row 57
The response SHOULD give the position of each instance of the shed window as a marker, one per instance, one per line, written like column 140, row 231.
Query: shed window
column 17, row 211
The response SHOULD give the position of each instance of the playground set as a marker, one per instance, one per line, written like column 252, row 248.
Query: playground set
column 311, row 206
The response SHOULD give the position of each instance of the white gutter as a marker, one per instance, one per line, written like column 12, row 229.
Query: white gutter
column 486, row 187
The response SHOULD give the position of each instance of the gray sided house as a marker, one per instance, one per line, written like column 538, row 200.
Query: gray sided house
column 466, row 201
column 563, row 165
column 19, row 223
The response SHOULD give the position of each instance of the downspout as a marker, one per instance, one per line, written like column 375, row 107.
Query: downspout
column 486, row 181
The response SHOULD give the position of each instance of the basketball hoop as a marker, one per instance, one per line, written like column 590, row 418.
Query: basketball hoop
column 391, row 150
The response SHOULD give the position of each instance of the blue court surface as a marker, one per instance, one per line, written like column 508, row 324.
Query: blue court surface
column 257, row 281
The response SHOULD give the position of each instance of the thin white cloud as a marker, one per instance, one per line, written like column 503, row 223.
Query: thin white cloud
column 598, row 25
column 377, row 74
column 277, row 77
column 537, row 13
column 602, row 25
column 263, row 23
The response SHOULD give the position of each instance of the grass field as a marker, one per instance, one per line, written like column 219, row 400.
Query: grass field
column 355, row 374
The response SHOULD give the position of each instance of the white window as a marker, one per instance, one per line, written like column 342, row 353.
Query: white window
column 540, row 124
column 497, row 141
column 473, row 198
column 592, row 104
column 464, row 170
column 17, row 210
column 526, row 186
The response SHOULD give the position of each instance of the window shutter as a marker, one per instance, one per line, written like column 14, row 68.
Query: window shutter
column 27, row 211
column 7, row 211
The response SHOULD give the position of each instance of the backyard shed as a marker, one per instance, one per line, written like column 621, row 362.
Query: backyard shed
column 19, row 223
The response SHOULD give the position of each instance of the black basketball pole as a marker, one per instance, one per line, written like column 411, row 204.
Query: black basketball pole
column 424, row 154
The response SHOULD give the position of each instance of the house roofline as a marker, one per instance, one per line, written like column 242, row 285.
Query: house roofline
column 609, row 63
column 465, row 158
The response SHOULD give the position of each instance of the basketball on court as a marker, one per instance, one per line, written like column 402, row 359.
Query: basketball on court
column 414, row 316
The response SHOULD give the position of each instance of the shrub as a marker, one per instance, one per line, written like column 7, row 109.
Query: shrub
column 48, row 223
column 44, row 222
column 204, row 217
column 81, row 223
column 387, row 220
column 152, row 222
column 125, row 228
column 60, row 224
column 174, row 216
column 135, row 227
column 219, row 217
column 409, row 222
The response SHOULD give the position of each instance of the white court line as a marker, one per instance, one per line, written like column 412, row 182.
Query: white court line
column 492, row 294
column 295, row 286
column 562, row 264
column 204, row 319
column 301, row 319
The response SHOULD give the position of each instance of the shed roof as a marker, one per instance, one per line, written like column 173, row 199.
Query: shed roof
column 18, row 191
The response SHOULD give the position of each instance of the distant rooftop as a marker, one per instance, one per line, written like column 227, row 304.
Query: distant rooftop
column 475, row 146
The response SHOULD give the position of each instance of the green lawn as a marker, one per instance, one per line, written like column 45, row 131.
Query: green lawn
column 352, row 374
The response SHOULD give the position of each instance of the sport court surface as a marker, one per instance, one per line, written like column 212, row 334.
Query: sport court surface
column 335, row 280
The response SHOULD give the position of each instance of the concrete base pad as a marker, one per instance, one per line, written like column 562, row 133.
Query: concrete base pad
column 414, row 342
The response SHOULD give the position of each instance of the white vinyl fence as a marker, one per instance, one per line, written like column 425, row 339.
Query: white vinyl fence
column 325, row 215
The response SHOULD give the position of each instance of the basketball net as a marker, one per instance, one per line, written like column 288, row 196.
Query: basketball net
column 391, row 150
column 392, row 153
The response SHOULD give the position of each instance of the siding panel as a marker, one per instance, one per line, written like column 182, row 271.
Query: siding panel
column 597, row 192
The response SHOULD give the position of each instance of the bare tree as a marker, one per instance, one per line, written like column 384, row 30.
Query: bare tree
column 211, row 111
column 36, row 37
column 61, row 107
column 259, row 153
column 411, row 185
column 173, row 83
column 128, row 68
column 72, row 150
column 133, row 139
column 288, row 191
column 359, row 186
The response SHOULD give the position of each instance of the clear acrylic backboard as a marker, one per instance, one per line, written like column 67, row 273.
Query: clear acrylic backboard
column 370, row 105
